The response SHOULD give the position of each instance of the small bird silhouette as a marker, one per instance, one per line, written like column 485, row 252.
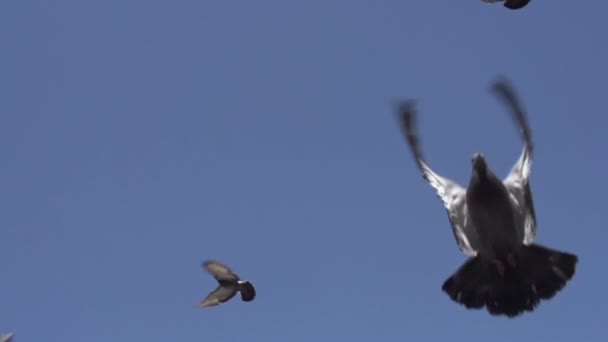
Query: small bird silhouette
column 229, row 285
column 511, row 4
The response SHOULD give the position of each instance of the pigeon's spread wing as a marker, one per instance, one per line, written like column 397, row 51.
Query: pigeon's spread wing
column 517, row 181
column 220, row 295
column 453, row 197
column 451, row 193
column 518, row 185
column 219, row 271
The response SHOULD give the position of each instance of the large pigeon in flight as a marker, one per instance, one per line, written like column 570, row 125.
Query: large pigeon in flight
column 229, row 285
column 494, row 223
column 511, row 4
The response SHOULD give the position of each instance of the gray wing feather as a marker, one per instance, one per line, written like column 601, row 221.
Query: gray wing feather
column 220, row 295
column 453, row 197
column 518, row 185
column 517, row 181
column 219, row 271
column 451, row 193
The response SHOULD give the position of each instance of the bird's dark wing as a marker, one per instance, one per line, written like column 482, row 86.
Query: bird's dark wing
column 451, row 193
column 220, row 295
column 517, row 181
column 511, row 4
column 219, row 271
column 516, row 4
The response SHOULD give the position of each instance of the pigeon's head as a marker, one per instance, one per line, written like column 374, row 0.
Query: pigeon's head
column 480, row 167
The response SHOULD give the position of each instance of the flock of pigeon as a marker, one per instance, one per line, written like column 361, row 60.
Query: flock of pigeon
column 493, row 222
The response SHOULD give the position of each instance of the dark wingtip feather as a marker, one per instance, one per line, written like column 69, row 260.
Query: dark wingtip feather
column 406, row 114
column 505, row 91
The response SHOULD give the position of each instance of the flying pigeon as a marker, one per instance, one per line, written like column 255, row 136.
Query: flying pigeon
column 494, row 223
column 8, row 337
column 229, row 285
column 511, row 4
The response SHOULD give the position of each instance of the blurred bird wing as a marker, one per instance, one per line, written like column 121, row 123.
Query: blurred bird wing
column 518, row 186
column 517, row 181
column 8, row 337
column 451, row 193
column 220, row 295
column 219, row 271
column 511, row 4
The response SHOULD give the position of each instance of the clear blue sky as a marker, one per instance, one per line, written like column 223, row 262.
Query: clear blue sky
column 138, row 138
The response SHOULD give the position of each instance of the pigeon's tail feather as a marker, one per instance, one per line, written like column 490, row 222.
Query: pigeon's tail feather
column 477, row 284
column 539, row 273
column 548, row 270
column 516, row 4
column 247, row 291
column 468, row 285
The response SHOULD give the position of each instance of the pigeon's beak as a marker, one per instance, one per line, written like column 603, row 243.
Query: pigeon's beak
column 479, row 164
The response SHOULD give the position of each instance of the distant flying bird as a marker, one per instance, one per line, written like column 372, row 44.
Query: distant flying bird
column 495, row 224
column 8, row 337
column 511, row 4
column 230, row 284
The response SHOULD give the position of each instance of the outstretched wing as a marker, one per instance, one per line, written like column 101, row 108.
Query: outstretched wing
column 451, row 193
column 517, row 181
column 219, row 271
column 220, row 295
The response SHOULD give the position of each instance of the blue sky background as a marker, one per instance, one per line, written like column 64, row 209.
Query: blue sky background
column 138, row 138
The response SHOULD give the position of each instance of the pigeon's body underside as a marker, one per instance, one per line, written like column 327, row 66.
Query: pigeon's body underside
column 494, row 223
column 229, row 285
column 511, row 4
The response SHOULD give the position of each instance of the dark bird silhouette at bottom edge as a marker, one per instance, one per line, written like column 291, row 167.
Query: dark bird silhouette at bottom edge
column 511, row 4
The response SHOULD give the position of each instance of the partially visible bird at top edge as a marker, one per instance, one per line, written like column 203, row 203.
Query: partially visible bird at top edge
column 229, row 285
column 494, row 223
column 511, row 4
column 8, row 337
